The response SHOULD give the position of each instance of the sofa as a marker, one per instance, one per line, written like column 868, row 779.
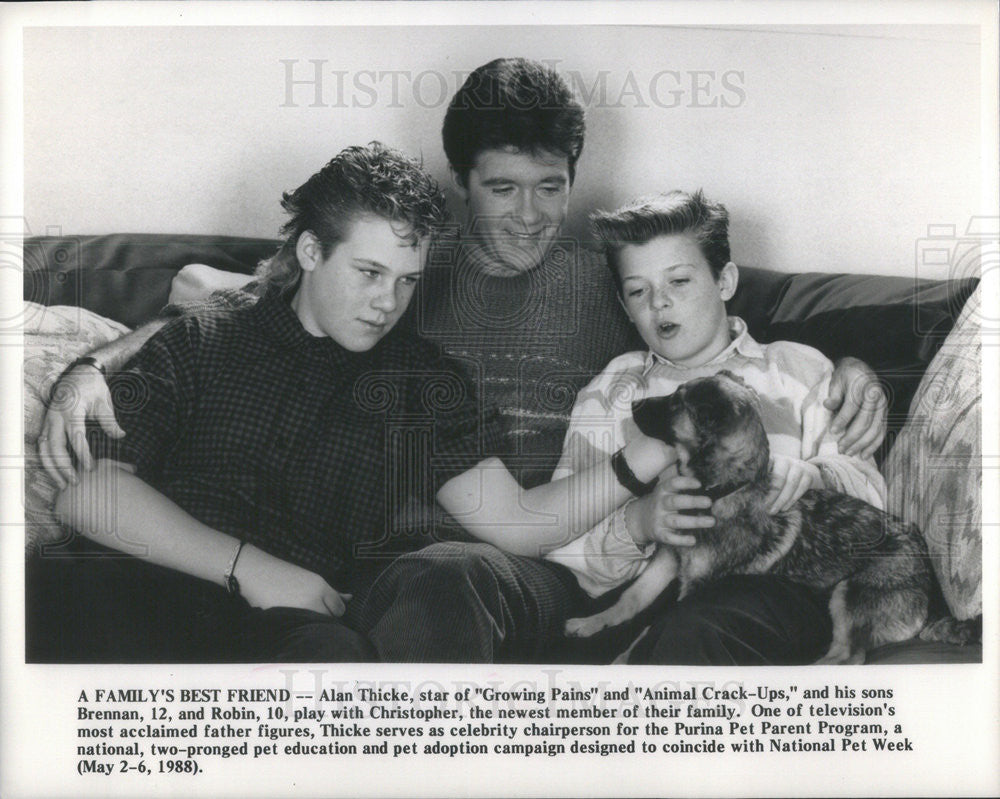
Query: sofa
column 919, row 336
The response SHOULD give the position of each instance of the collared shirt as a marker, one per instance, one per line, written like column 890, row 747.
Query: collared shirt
column 792, row 381
column 291, row 442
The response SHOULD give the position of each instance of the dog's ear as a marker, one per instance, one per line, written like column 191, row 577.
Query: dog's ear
column 750, row 391
column 732, row 376
column 653, row 418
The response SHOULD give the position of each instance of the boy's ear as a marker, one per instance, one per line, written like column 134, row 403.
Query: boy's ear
column 460, row 185
column 621, row 301
column 308, row 250
column 729, row 279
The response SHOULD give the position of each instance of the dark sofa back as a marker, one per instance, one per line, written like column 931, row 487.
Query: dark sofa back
column 126, row 277
column 894, row 324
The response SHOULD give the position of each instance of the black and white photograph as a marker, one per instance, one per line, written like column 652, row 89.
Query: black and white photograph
column 500, row 399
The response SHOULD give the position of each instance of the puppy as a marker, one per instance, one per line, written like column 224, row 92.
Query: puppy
column 876, row 567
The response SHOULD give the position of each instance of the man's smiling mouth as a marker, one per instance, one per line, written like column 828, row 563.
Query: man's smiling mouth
column 523, row 235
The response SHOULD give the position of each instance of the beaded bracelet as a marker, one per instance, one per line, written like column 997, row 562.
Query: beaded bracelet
column 232, row 584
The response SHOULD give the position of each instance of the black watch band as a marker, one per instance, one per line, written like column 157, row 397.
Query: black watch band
column 87, row 360
column 627, row 477
column 55, row 397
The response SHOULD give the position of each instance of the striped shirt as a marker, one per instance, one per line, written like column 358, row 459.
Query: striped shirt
column 792, row 380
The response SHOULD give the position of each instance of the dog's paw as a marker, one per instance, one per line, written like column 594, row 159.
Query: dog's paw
column 584, row 628
column 842, row 656
column 952, row 631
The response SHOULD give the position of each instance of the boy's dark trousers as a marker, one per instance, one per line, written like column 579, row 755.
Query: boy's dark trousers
column 451, row 602
column 470, row 602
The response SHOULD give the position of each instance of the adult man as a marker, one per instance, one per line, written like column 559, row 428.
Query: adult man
column 533, row 317
column 513, row 134
column 217, row 484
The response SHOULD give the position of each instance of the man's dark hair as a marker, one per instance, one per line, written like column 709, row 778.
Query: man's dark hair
column 643, row 220
column 512, row 102
column 358, row 181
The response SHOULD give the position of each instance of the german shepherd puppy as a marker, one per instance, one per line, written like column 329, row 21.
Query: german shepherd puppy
column 876, row 567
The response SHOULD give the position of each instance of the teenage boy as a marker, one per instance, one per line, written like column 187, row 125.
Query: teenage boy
column 671, row 261
column 533, row 317
column 255, row 460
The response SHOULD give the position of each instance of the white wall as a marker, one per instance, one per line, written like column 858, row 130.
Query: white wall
column 834, row 149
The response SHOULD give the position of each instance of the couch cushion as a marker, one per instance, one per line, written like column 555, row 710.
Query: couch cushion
column 875, row 318
column 758, row 295
column 934, row 470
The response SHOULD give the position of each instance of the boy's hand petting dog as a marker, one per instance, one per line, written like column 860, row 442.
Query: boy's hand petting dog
column 268, row 582
column 790, row 479
column 660, row 516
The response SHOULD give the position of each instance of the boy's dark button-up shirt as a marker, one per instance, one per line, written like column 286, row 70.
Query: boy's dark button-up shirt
column 287, row 440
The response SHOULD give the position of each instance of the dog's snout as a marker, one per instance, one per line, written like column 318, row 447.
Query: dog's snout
column 654, row 416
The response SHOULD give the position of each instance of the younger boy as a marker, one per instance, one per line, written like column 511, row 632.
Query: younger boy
column 670, row 258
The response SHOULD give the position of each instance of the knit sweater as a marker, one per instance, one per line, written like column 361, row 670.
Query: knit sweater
column 529, row 342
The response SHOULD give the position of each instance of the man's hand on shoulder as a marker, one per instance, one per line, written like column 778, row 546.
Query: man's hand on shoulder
column 861, row 408
column 79, row 394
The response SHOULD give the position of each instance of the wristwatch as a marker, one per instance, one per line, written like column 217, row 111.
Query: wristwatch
column 87, row 360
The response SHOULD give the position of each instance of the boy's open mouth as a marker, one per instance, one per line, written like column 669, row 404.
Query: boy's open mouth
column 667, row 329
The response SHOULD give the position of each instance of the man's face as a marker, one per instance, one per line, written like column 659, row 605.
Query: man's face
column 517, row 203
column 357, row 293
